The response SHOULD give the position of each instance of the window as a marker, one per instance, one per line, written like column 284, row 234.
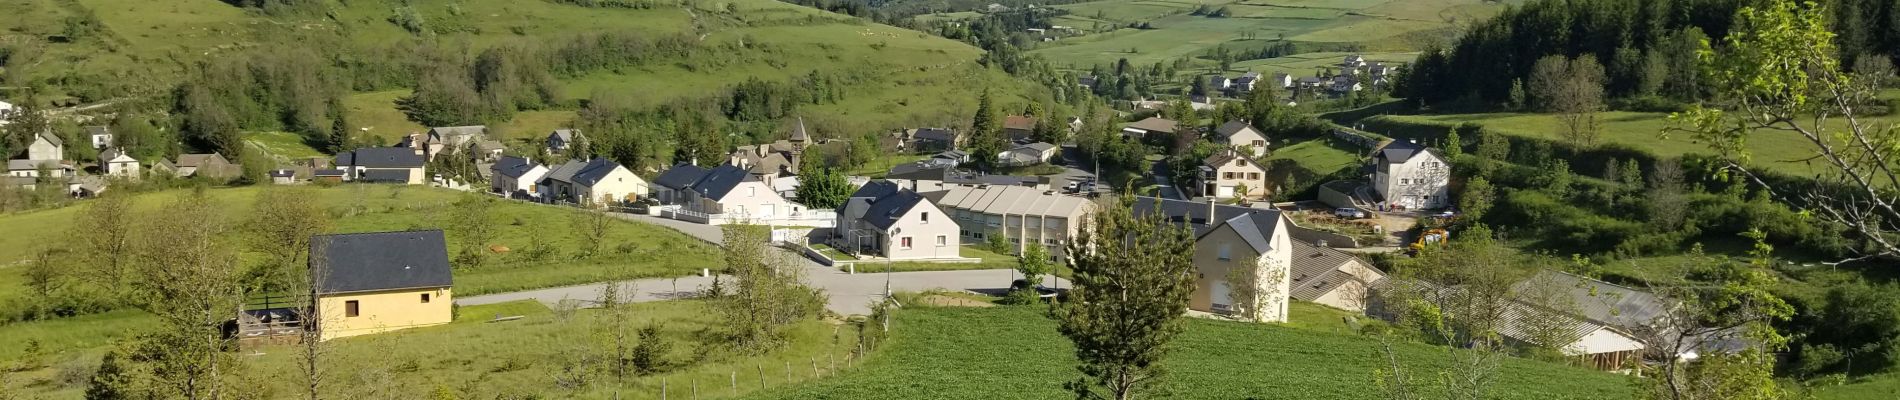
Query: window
column 1015, row 241
column 926, row 218
column 1226, row 254
column 1253, row 175
column 1257, row 144
column 425, row 298
column 350, row 309
column 904, row 242
column 751, row 191
column 943, row 240
column 1405, row 181
column 1241, row 162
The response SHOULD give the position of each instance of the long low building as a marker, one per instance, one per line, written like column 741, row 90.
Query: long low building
column 1025, row 215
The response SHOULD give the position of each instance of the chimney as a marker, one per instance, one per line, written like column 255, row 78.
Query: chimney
column 1210, row 210
column 1322, row 243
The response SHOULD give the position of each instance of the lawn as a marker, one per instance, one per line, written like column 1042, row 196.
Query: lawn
column 1015, row 352
column 283, row 145
column 991, row 260
column 500, row 359
column 1375, row 26
column 650, row 250
column 376, row 114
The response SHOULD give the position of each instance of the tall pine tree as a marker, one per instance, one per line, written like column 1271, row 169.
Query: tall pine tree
column 1133, row 277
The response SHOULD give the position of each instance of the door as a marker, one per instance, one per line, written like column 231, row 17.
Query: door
column 1220, row 297
column 766, row 211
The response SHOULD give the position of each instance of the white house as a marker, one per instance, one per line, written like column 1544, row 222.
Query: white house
column 115, row 162
column 101, row 136
column 1409, row 175
column 514, row 176
column 1229, row 174
column 736, row 194
column 596, row 181
column 381, row 165
column 884, row 220
column 46, row 147
column 1225, row 237
column 1239, row 133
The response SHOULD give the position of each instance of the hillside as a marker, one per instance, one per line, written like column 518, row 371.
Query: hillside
column 94, row 50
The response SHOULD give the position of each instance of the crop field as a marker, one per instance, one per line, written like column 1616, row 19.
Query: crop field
column 1015, row 352
column 1376, row 25
column 372, row 208
column 1306, row 64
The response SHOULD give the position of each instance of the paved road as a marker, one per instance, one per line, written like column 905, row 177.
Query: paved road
column 851, row 294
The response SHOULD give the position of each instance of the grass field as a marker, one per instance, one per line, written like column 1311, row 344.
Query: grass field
column 1397, row 27
column 1779, row 151
column 283, row 145
column 370, row 208
column 1015, row 353
column 519, row 357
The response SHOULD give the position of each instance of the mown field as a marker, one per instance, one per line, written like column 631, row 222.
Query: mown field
column 472, row 357
column 1374, row 25
column 1014, row 352
column 652, row 251
column 1778, row 151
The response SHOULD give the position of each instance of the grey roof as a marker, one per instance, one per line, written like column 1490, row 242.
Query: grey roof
column 565, row 135
column 513, row 167
column 471, row 130
column 680, row 176
column 1603, row 302
column 1318, row 270
column 1399, row 151
column 51, row 138
column 935, row 134
column 919, row 171
column 360, row 262
column 281, row 173
column 489, row 145
column 385, row 176
column 98, row 130
column 327, row 172
column 1155, row 124
column 1040, row 146
column 798, row 132
column 199, row 160
column 1232, row 127
column 376, row 157
column 875, row 189
column 110, row 153
column 1193, row 213
column 595, row 170
column 886, row 210
column 720, row 181
column 953, row 154
column 564, row 172
column 1011, row 200
column 28, row 165
column 1256, row 229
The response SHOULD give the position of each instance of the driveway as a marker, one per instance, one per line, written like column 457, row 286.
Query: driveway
column 850, row 294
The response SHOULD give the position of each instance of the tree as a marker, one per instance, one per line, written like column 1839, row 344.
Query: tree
column 1455, row 296
column 1730, row 304
column 1033, row 264
column 1477, row 199
column 649, row 357
column 1518, row 99
column 767, row 292
column 1665, row 204
column 1133, row 277
column 986, row 133
column 1778, row 73
column 591, row 226
column 103, row 234
column 1252, row 288
column 822, row 187
column 280, row 226
column 191, row 286
column 469, row 220
column 1573, row 89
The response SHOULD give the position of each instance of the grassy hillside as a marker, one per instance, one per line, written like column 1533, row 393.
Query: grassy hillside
column 139, row 48
column 370, row 208
column 1014, row 352
column 1778, row 151
column 1372, row 25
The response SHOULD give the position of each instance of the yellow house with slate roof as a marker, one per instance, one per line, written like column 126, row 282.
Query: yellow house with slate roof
column 378, row 282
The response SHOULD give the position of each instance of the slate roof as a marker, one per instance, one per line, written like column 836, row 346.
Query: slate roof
column 29, row 165
column 875, row 189
column 98, row 130
column 1155, row 124
column 385, row 176
column 198, row 160
column 565, row 135
column 1255, row 228
column 886, row 210
column 327, row 172
column 720, row 181
column 935, row 134
column 798, row 132
column 918, row 171
column 595, row 170
column 680, row 176
column 1232, row 127
column 489, row 145
column 51, row 138
column 564, row 172
column 111, row 153
column 376, row 157
column 1318, row 270
column 361, row 262
column 1192, row 213
column 1399, row 151
column 512, row 167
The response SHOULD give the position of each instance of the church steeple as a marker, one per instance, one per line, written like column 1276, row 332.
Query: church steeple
column 799, row 139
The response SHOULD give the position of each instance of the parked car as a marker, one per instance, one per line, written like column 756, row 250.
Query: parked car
column 1349, row 213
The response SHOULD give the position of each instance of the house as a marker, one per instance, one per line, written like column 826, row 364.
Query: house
column 31, row 168
column 779, row 158
column 210, row 165
column 1592, row 321
column 383, row 165
column 1019, row 128
column 1283, row 80
column 1027, row 216
column 1225, row 237
column 1238, row 133
column 1408, row 175
column 164, row 167
column 1245, row 83
column 996, row 8
column 561, row 139
column 886, row 221
column 597, row 180
column 735, row 193
column 485, row 151
column 1150, row 127
column 1331, row 277
column 378, row 282
column 88, row 186
column 515, row 176
column 955, row 157
column 1310, row 82
column 447, row 139
column 283, row 176
column 670, row 186
column 6, row 112
column 101, row 136
column 1353, row 63
column 1229, row 174
column 115, row 162
column 1218, row 82
column 46, row 147
column 1028, row 154
column 1345, row 84
column 928, row 176
column 930, row 140
column 1086, row 81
